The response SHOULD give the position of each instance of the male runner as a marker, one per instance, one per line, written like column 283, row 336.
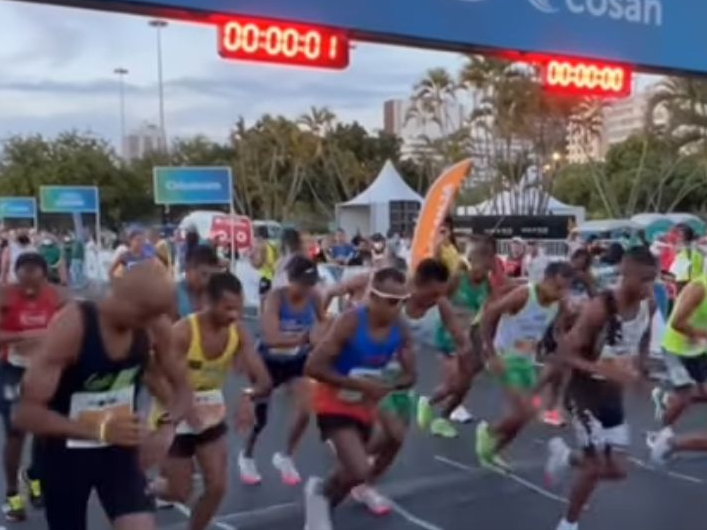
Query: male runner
column 211, row 343
column 685, row 353
column 79, row 395
column 425, row 312
column 511, row 331
column 288, row 325
column 349, row 366
column 608, row 347
column 25, row 311
column 200, row 264
column 264, row 258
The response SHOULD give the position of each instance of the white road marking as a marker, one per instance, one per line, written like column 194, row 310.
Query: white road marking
column 673, row 474
column 257, row 511
column 186, row 511
column 413, row 519
column 505, row 473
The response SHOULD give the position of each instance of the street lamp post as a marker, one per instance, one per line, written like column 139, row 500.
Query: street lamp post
column 158, row 25
column 121, row 73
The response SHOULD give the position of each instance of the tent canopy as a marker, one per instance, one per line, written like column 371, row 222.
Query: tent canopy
column 524, row 202
column 388, row 186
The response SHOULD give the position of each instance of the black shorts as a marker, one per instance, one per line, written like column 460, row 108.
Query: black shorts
column 10, row 381
column 185, row 445
column 70, row 475
column 284, row 371
column 685, row 372
column 597, row 411
column 330, row 423
column 264, row 286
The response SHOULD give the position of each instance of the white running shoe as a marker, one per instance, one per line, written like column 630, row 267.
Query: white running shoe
column 661, row 446
column 248, row 470
column 374, row 501
column 558, row 461
column 286, row 467
column 566, row 525
column 461, row 415
column 317, row 515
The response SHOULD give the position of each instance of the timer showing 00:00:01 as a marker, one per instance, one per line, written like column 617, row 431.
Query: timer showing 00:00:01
column 272, row 42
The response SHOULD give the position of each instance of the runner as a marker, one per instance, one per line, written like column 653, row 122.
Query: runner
column 211, row 341
column 79, row 395
column 425, row 312
column 511, row 331
column 17, row 246
column 685, row 353
column 264, row 259
column 607, row 348
column 349, row 366
column 472, row 290
column 138, row 252
column 53, row 253
column 289, row 327
column 26, row 309
column 200, row 264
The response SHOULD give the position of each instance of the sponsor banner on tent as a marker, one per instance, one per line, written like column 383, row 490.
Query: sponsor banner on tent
column 18, row 208
column 525, row 226
column 435, row 208
column 192, row 185
column 69, row 199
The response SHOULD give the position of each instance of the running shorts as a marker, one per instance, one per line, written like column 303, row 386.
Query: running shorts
column 185, row 445
column 330, row 423
column 10, row 382
column 519, row 373
column 597, row 411
column 70, row 475
column 685, row 372
column 400, row 404
column 284, row 371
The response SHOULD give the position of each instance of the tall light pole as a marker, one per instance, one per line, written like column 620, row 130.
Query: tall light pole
column 158, row 25
column 121, row 73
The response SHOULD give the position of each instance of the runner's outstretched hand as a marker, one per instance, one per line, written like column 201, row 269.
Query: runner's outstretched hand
column 124, row 430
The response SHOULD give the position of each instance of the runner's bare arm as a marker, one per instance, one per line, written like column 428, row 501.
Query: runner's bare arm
column 320, row 364
column 644, row 348
column 41, row 381
column 349, row 287
column 253, row 364
column 451, row 323
column 580, row 339
column 170, row 354
column 406, row 357
column 690, row 299
column 118, row 262
column 509, row 304
column 322, row 315
column 154, row 377
column 270, row 324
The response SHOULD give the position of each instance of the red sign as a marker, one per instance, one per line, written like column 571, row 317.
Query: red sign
column 261, row 40
column 221, row 226
column 586, row 78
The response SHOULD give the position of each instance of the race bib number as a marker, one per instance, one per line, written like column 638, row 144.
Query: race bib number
column 210, row 409
column 93, row 408
column 354, row 396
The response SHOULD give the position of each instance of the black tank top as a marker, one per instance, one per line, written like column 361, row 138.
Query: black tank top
column 94, row 371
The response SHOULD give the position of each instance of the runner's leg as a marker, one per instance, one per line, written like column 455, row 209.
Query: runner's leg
column 176, row 482
column 300, row 389
column 213, row 461
column 352, row 468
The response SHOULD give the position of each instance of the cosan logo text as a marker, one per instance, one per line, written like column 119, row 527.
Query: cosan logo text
column 646, row 12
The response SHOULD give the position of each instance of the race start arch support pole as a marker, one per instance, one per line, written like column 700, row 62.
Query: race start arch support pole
column 19, row 208
column 195, row 186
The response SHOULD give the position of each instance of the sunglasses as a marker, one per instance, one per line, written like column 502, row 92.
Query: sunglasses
column 392, row 300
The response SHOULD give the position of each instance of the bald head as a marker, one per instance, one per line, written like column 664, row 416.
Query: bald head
column 143, row 293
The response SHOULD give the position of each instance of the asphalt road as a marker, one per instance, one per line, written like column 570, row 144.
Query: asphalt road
column 437, row 485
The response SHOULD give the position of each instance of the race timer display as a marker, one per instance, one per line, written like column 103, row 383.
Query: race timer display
column 282, row 43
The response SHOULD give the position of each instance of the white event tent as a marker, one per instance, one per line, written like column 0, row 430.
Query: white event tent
column 369, row 212
column 529, row 201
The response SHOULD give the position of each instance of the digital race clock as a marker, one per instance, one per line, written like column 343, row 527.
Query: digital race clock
column 282, row 43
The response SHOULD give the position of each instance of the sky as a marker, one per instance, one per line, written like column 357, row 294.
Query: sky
column 56, row 73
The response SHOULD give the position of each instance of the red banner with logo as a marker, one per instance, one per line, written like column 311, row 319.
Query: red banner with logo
column 242, row 227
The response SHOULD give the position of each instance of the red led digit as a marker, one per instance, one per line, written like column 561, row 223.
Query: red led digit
column 585, row 78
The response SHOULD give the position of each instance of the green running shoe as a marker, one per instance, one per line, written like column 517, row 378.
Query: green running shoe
column 425, row 413
column 485, row 445
column 443, row 427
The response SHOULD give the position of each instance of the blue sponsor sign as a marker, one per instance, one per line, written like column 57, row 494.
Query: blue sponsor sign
column 69, row 199
column 661, row 34
column 192, row 185
column 18, row 208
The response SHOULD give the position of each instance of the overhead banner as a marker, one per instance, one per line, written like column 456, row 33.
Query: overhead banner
column 18, row 208
column 525, row 226
column 192, row 185
column 662, row 34
column 69, row 199
column 435, row 208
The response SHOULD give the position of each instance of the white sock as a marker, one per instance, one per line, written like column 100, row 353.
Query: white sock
column 566, row 525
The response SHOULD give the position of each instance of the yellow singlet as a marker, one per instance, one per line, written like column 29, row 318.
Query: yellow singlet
column 204, row 373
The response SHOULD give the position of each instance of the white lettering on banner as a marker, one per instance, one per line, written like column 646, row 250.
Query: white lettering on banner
column 645, row 12
column 194, row 186
column 70, row 200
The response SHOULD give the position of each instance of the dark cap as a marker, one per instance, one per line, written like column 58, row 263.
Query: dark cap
column 302, row 270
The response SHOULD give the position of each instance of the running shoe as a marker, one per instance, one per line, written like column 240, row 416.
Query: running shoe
column 34, row 487
column 558, row 461
column 485, row 445
column 248, row 470
column 162, row 504
column 374, row 501
column 661, row 446
column 443, row 428
column 461, row 415
column 425, row 413
column 659, row 397
column 316, row 507
column 553, row 417
column 14, row 508
column 286, row 467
